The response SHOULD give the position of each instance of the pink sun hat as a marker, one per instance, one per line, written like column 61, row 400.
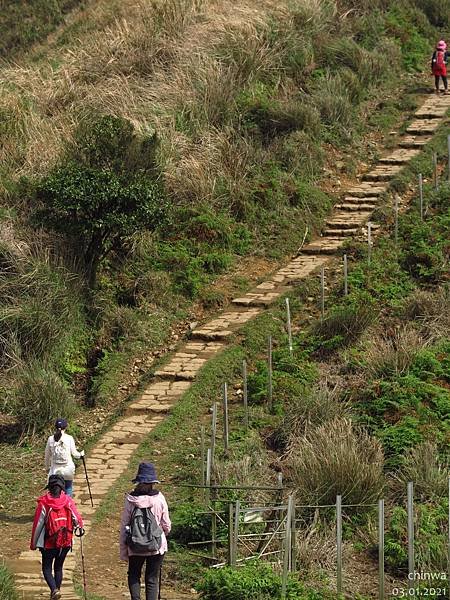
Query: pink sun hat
column 441, row 45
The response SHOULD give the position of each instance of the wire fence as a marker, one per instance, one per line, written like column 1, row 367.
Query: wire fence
column 242, row 531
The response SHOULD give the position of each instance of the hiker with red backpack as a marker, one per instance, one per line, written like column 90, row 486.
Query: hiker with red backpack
column 145, row 524
column 58, row 454
column 439, row 62
column 55, row 520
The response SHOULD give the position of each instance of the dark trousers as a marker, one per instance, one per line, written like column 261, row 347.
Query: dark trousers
column 52, row 566
column 152, row 570
column 444, row 79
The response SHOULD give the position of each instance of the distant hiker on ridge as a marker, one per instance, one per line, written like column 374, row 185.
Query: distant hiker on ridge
column 145, row 523
column 58, row 455
column 439, row 62
column 55, row 519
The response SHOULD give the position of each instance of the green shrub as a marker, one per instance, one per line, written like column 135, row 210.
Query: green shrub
column 289, row 376
column 405, row 410
column 437, row 11
column 105, row 194
column 253, row 581
column 313, row 201
column 425, row 251
column 38, row 396
column 190, row 523
column 406, row 26
column 430, row 538
column 7, row 588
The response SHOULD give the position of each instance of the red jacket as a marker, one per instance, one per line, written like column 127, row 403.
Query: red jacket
column 44, row 503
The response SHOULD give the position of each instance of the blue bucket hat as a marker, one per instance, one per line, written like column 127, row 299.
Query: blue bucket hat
column 146, row 474
column 61, row 423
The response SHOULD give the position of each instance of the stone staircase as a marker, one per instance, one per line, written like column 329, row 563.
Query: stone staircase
column 111, row 455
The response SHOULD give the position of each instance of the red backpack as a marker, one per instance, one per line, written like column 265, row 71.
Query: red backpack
column 59, row 527
column 440, row 62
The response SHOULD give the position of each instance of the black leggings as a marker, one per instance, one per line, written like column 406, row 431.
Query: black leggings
column 444, row 79
column 152, row 570
column 56, row 556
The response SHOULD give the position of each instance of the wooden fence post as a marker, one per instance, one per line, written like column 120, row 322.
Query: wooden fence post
column 225, row 418
column 322, row 293
column 289, row 327
column 396, row 208
column 345, row 275
column 245, row 393
column 421, row 195
column 410, row 503
column 339, row 543
column 287, row 546
column 269, row 368
column 230, row 535
column 237, row 510
column 381, row 549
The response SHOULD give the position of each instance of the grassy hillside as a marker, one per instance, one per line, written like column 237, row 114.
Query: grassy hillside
column 151, row 149
column 236, row 115
column 25, row 22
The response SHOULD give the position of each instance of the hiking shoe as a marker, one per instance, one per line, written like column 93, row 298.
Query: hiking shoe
column 55, row 595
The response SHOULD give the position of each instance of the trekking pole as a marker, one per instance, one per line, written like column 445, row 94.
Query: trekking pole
column 79, row 532
column 160, row 579
column 87, row 480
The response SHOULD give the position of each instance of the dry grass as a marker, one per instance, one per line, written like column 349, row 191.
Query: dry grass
column 148, row 64
column 171, row 65
column 393, row 352
column 423, row 466
column 333, row 459
column 431, row 310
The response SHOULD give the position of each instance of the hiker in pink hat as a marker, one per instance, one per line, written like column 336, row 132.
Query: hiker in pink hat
column 439, row 62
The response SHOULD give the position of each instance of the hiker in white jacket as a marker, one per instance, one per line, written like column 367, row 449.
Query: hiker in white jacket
column 58, row 455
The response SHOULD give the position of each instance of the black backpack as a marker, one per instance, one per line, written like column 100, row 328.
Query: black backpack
column 143, row 533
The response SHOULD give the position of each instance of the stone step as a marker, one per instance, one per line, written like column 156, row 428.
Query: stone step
column 359, row 207
column 423, row 126
column 367, row 190
column 382, row 173
column 325, row 245
column 344, row 224
column 414, row 141
column 199, row 334
column 341, row 232
column 400, row 156
column 435, row 112
column 342, row 217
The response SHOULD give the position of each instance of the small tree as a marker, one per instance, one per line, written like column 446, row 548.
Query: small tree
column 105, row 190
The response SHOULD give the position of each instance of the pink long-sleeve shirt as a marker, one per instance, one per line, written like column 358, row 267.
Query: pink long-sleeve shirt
column 160, row 510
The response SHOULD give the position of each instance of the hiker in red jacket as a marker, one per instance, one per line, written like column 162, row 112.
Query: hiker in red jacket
column 439, row 62
column 55, row 519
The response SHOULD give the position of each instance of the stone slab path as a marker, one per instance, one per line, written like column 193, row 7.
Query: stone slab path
column 111, row 455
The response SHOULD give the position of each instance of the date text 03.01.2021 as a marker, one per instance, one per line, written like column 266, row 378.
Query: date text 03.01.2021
column 432, row 592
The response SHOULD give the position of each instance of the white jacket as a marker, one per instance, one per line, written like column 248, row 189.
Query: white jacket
column 67, row 470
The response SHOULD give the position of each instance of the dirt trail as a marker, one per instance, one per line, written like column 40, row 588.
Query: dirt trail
column 111, row 455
